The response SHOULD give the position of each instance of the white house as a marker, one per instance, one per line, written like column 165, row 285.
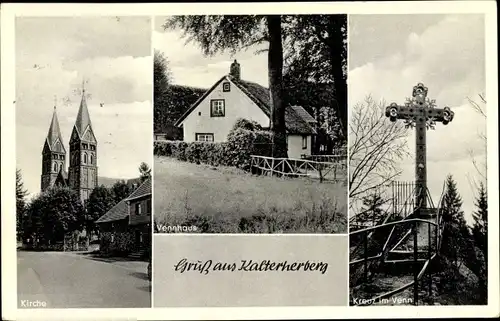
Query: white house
column 213, row 115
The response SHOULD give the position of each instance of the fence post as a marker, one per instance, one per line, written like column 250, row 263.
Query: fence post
column 429, row 256
column 366, row 255
column 415, row 265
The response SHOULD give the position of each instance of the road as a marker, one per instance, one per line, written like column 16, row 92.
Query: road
column 70, row 280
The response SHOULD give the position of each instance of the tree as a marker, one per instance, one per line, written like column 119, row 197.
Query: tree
column 21, row 194
column 480, row 236
column 372, row 208
column 376, row 145
column 100, row 201
column 457, row 242
column 162, row 77
column 480, row 229
column 145, row 171
column 316, row 51
column 120, row 190
column 215, row 34
column 54, row 213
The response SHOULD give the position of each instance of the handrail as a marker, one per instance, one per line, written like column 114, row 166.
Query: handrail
column 402, row 288
column 292, row 159
column 430, row 257
column 393, row 223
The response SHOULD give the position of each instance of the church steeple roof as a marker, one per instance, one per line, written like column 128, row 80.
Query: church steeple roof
column 54, row 134
column 83, row 117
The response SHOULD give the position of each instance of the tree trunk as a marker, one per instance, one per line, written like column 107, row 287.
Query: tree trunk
column 275, row 66
column 336, row 46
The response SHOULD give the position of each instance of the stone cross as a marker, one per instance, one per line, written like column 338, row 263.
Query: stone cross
column 420, row 112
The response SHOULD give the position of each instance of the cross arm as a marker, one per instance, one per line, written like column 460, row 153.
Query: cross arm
column 395, row 111
column 442, row 115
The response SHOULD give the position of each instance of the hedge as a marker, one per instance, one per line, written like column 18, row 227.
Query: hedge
column 241, row 144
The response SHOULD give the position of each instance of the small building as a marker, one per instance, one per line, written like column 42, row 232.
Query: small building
column 126, row 228
column 214, row 114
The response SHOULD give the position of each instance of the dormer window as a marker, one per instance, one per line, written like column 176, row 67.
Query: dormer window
column 226, row 87
column 217, row 108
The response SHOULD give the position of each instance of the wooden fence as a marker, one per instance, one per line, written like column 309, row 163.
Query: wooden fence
column 290, row 167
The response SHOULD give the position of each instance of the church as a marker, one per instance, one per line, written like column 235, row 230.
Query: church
column 81, row 175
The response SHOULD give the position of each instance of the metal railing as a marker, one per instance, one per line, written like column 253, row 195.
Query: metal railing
column 412, row 225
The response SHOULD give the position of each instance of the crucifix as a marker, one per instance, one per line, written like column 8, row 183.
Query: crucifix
column 422, row 113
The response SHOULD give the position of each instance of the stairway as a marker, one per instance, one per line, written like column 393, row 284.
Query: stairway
column 396, row 268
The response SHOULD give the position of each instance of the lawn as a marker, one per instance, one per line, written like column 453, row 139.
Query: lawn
column 228, row 200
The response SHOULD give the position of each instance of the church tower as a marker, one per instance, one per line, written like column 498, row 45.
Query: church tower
column 82, row 174
column 53, row 154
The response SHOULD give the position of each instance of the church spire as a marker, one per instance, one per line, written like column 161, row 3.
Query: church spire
column 83, row 117
column 54, row 133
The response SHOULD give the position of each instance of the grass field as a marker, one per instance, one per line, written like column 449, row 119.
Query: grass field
column 228, row 200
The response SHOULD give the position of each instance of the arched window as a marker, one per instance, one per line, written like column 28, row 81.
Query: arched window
column 85, row 158
column 60, row 167
column 55, row 167
column 91, row 159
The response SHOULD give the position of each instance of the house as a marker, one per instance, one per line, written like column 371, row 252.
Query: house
column 126, row 227
column 213, row 115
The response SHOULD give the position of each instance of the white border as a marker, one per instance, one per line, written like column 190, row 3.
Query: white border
column 9, row 277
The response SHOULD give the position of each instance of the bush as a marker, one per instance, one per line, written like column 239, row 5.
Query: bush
column 241, row 144
column 247, row 125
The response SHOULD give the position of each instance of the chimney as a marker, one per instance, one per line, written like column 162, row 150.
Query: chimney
column 235, row 70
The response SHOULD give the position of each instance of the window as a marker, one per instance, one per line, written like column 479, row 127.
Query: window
column 204, row 137
column 304, row 142
column 138, row 209
column 85, row 158
column 91, row 159
column 60, row 167
column 217, row 108
column 55, row 167
column 226, row 87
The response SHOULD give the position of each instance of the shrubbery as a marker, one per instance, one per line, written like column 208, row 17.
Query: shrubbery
column 245, row 139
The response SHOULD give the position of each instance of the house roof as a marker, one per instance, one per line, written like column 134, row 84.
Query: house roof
column 143, row 190
column 116, row 213
column 296, row 117
column 303, row 114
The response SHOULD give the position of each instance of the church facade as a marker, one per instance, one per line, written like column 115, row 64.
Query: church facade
column 81, row 175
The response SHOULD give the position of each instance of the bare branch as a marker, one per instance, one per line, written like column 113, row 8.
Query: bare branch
column 376, row 146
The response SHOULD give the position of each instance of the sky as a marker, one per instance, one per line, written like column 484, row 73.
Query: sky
column 389, row 54
column 113, row 55
column 190, row 67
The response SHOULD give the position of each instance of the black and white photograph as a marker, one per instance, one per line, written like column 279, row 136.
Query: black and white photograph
column 83, row 153
column 418, row 205
column 250, row 124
